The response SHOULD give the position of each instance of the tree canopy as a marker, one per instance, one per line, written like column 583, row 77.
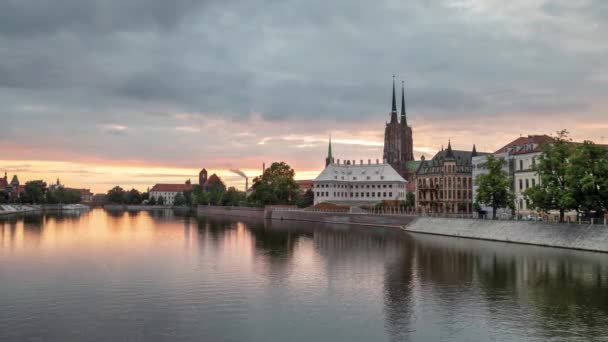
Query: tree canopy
column 34, row 192
column 116, row 195
column 572, row 177
column 275, row 186
column 493, row 187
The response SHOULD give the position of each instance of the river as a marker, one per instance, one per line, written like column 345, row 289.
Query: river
column 160, row 276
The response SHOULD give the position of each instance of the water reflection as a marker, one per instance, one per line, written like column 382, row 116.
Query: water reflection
column 217, row 278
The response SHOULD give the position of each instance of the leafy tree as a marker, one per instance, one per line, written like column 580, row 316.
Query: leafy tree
column 133, row 197
column 587, row 178
column 179, row 199
column 410, row 200
column 116, row 195
column 493, row 187
column 34, row 192
column 232, row 197
column 554, row 189
column 160, row 200
column 152, row 201
column 275, row 186
column 307, row 199
column 189, row 196
column 3, row 198
column 67, row 196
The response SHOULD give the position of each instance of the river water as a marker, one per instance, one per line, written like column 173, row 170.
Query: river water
column 159, row 276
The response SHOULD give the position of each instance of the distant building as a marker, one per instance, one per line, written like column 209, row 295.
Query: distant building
column 211, row 183
column 398, row 140
column 11, row 190
column 168, row 191
column 521, row 155
column 86, row 196
column 443, row 183
column 305, row 184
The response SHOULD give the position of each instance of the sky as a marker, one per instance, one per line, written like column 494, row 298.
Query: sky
column 136, row 92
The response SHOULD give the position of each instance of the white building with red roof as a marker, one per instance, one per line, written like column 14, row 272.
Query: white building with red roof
column 168, row 191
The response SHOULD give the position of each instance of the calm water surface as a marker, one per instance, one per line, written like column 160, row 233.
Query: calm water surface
column 160, row 276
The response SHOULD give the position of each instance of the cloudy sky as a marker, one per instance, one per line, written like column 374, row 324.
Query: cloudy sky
column 135, row 92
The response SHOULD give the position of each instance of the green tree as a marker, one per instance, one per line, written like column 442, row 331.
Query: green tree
column 160, row 200
column 587, row 178
column 133, row 197
column 307, row 199
column 554, row 190
column 34, row 192
column 275, row 186
column 152, row 201
column 179, row 199
column 410, row 200
column 493, row 186
column 116, row 195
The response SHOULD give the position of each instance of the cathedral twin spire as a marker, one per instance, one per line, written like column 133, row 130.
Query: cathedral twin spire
column 394, row 104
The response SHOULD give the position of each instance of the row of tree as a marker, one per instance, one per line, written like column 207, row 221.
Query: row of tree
column 572, row 176
column 275, row 186
column 37, row 192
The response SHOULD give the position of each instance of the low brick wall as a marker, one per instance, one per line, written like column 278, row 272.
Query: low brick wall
column 573, row 236
column 250, row 212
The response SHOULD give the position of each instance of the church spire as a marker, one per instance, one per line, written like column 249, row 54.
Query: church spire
column 330, row 158
column 394, row 108
column 449, row 153
column 403, row 118
column 474, row 153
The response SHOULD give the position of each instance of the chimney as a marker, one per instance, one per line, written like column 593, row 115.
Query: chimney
column 354, row 162
column 369, row 162
column 361, row 162
column 377, row 161
column 263, row 167
column 246, row 184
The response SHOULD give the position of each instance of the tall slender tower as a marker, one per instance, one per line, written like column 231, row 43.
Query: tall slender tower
column 398, row 139
column 330, row 158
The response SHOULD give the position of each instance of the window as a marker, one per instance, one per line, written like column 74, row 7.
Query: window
column 384, row 194
column 520, row 184
column 533, row 182
column 521, row 164
column 367, row 194
column 527, row 183
column 390, row 194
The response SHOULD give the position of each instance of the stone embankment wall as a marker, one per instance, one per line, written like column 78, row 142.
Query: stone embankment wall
column 396, row 221
column 231, row 211
column 583, row 237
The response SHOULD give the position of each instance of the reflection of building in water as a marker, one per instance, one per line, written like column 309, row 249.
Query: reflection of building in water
column 398, row 292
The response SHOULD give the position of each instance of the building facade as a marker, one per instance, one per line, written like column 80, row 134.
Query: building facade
column 443, row 183
column 349, row 183
column 520, row 155
column 168, row 191
column 398, row 140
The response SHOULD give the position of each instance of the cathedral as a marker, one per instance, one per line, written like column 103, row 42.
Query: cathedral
column 398, row 140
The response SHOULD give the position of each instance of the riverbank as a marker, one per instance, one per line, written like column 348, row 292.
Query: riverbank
column 571, row 236
column 12, row 209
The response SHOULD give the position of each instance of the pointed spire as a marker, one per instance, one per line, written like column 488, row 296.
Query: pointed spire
column 403, row 119
column 394, row 108
column 449, row 153
column 474, row 153
column 330, row 158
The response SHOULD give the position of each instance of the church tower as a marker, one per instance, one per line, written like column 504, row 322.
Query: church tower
column 398, row 138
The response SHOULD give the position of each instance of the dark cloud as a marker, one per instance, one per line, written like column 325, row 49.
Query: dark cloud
column 74, row 73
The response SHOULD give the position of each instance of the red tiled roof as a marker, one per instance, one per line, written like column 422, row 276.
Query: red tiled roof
column 523, row 145
column 305, row 183
column 171, row 187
